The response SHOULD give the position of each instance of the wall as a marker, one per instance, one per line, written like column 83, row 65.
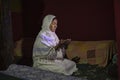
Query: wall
column 78, row 20
column 26, row 18
column 17, row 24
column 32, row 12
column 117, row 26
column 83, row 19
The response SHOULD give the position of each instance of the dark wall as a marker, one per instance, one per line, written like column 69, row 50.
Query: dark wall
column 32, row 13
column 78, row 20
column 17, row 24
column 117, row 26
column 83, row 19
column 26, row 18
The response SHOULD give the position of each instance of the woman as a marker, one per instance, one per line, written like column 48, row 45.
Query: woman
column 47, row 54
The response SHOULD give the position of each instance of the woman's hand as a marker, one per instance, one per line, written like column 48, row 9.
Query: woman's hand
column 62, row 43
column 67, row 41
column 57, row 46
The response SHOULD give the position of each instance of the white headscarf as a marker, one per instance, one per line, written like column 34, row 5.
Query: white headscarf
column 48, row 37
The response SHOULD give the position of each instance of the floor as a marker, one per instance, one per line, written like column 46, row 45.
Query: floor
column 93, row 72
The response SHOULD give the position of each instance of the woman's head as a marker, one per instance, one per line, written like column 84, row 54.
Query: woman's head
column 53, row 25
column 49, row 23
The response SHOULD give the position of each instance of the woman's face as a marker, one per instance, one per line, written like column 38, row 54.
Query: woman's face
column 53, row 25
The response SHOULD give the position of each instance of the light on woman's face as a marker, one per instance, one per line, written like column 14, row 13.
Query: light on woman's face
column 53, row 25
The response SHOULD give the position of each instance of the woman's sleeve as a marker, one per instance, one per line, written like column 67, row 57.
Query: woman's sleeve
column 44, row 52
column 52, row 54
column 46, row 40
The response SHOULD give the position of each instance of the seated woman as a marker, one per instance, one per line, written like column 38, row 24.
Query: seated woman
column 48, row 50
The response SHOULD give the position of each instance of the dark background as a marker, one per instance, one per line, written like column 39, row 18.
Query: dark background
column 78, row 20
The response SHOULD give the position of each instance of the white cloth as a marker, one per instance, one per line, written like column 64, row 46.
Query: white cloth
column 45, row 56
